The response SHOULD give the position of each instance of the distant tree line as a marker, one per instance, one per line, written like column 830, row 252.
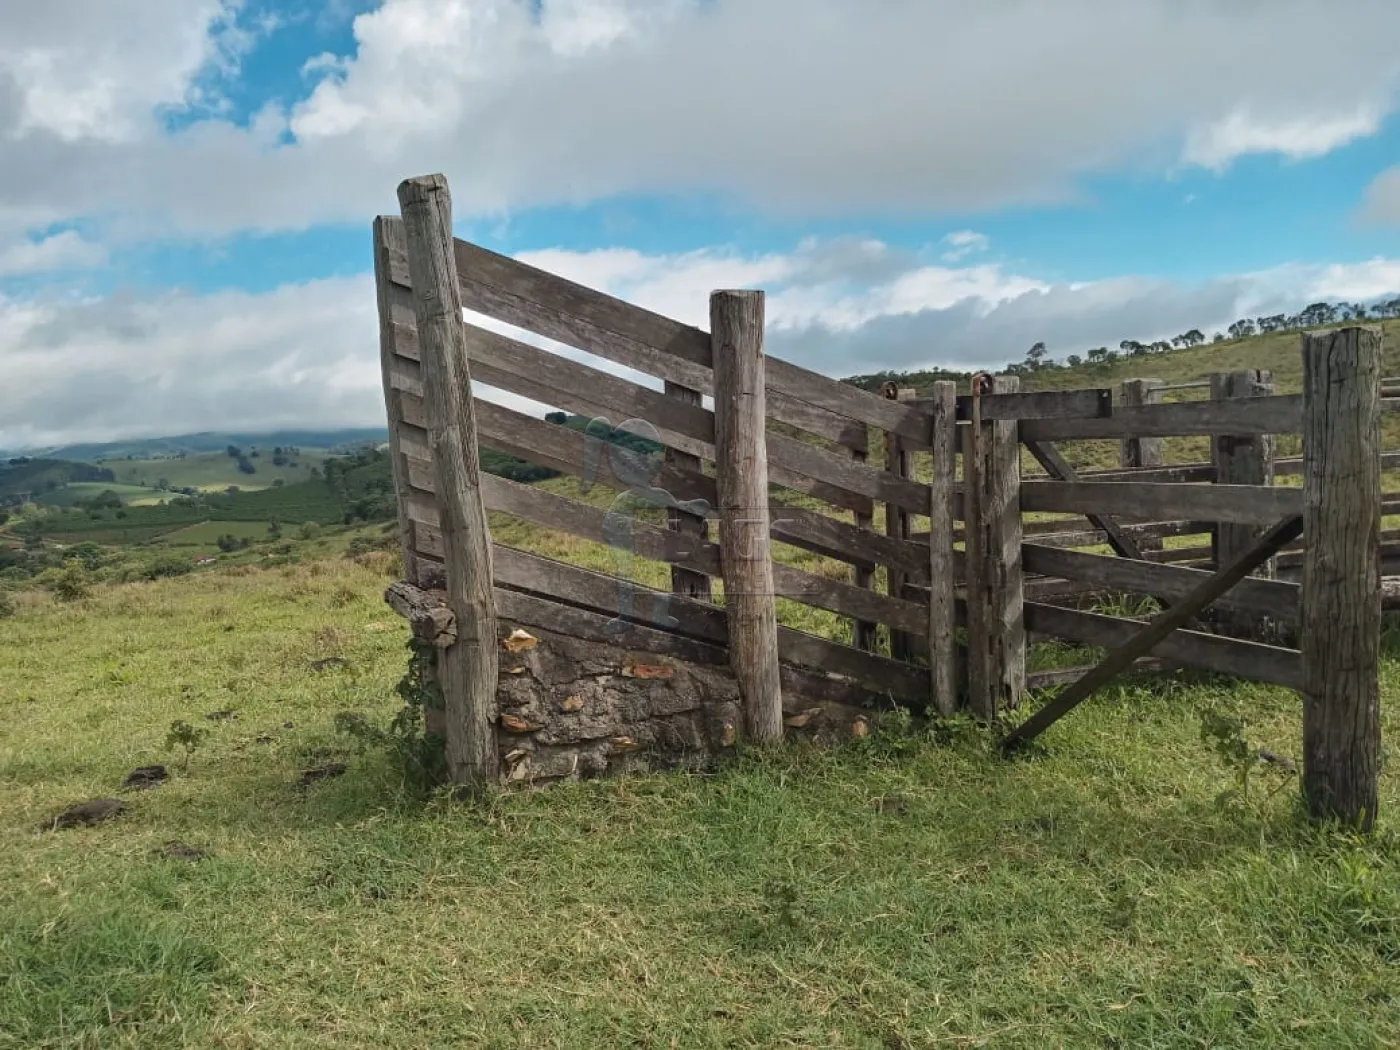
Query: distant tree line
column 1317, row 315
column 26, row 476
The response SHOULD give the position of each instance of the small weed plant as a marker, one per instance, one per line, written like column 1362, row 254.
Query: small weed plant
column 419, row 755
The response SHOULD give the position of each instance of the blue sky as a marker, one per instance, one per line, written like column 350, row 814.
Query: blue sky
column 184, row 228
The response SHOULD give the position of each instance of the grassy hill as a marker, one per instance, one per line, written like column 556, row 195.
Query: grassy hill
column 325, row 440
column 1278, row 352
column 213, row 471
column 350, row 489
column 23, row 477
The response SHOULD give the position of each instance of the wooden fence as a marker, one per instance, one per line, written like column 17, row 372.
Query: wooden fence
column 784, row 455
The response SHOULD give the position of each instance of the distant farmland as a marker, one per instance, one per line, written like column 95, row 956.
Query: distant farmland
column 216, row 471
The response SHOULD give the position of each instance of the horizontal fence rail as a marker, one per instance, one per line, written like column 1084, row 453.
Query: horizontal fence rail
column 1246, row 504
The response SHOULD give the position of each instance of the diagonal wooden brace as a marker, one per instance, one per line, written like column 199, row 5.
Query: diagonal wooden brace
column 1142, row 643
column 1048, row 456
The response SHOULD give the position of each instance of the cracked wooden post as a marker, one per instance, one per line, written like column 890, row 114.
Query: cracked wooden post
column 1241, row 460
column 388, row 238
column 996, row 631
column 897, row 462
column 864, row 633
column 1341, row 613
column 942, row 619
column 1142, row 451
column 741, row 474
column 468, row 668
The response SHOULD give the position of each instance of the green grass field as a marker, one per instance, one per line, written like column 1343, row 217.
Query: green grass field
column 1096, row 895
column 206, row 534
column 70, row 495
column 215, row 471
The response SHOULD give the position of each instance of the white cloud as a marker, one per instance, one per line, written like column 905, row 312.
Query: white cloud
column 99, row 368
column 1335, row 282
column 963, row 243
column 823, row 106
column 1217, row 145
column 307, row 354
column 94, row 70
column 1381, row 206
column 62, row 251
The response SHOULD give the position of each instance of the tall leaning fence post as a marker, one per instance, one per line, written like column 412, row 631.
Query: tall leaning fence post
column 1341, row 614
column 741, row 469
column 996, row 631
column 942, row 601
column 897, row 462
column 468, row 668
column 864, row 633
column 1241, row 460
column 388, row 238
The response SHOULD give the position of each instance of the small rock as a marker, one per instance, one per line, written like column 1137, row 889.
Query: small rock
column 222, row 716
column 176, row 850
column 310, row 776
column 519, row 640
column 289, row 725
column 571, row 704
column 515, row 724
column 145, row 777
column 91, row 812
column 800, row 719
column 649, row 671
column 329, row 662
column 1275, row 759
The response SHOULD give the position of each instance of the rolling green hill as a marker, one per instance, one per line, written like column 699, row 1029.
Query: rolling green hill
column 23, row 478
column 1276, row 351
column 324, row 440
column 211, row 471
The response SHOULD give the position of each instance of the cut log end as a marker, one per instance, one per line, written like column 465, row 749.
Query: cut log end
column 427, row 614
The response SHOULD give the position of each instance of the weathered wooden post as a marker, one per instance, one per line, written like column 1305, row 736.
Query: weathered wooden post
column 684, row 581
column 468, row 668
column 942, row 618
column 1141, row 451
column 996, row 631
column 396, row 315
column 388, row 239
column 1341, row 615
column 1241, row 460
column 897, row 462
column 863, row 632
column 741, row 473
